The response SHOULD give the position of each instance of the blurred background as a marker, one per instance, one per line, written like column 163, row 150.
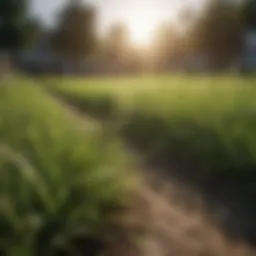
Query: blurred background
column 127, row 127
column 88, row 37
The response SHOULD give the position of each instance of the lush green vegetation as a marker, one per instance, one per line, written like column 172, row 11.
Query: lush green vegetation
column 62, row 176
column 203, row 127
column 58, row 181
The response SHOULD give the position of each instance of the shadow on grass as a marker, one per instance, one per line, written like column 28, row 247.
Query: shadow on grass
column 198, row 156
column 220, row 167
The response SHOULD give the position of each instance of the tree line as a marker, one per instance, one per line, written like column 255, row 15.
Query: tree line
column 217, row 32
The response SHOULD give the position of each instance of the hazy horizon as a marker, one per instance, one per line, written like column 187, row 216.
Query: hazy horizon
column 136, row 13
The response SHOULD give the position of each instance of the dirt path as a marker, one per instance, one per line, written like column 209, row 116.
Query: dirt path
column 169, row 218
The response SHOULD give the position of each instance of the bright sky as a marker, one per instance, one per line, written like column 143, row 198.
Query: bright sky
column 141, row 16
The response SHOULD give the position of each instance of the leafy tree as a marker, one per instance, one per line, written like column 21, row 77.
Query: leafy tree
column 17, row 29
column 167, row 46
column 218, row 32
column 33, row 30
column 13, row 18
column 75, row 33
column 116, row 43
column 250, row 13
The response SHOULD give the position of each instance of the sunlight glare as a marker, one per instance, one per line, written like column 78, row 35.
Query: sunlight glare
column 142, row 30
column 143, row 22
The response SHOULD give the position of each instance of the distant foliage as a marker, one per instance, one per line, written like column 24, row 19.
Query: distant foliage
column 75, row 33
column 116, row 42
column 250, row 13
column 168, row 46
column 17, row 28
column 218, row 32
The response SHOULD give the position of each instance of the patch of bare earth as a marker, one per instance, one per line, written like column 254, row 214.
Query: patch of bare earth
column 157, row 223
column 163, row 219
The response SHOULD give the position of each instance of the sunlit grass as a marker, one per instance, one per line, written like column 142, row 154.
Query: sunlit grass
column 204, row 126
column 55, row 179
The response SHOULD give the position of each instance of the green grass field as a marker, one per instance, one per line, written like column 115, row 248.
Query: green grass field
column 203, row 126
column 63, row 175
column 56, row 179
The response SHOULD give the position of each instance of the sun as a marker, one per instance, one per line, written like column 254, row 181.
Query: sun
column 144, row 18
column 141, row 30
column 142, row 24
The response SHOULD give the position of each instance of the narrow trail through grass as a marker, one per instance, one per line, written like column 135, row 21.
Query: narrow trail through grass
column 71, row 186
column 159, row 220
column 171, row 203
